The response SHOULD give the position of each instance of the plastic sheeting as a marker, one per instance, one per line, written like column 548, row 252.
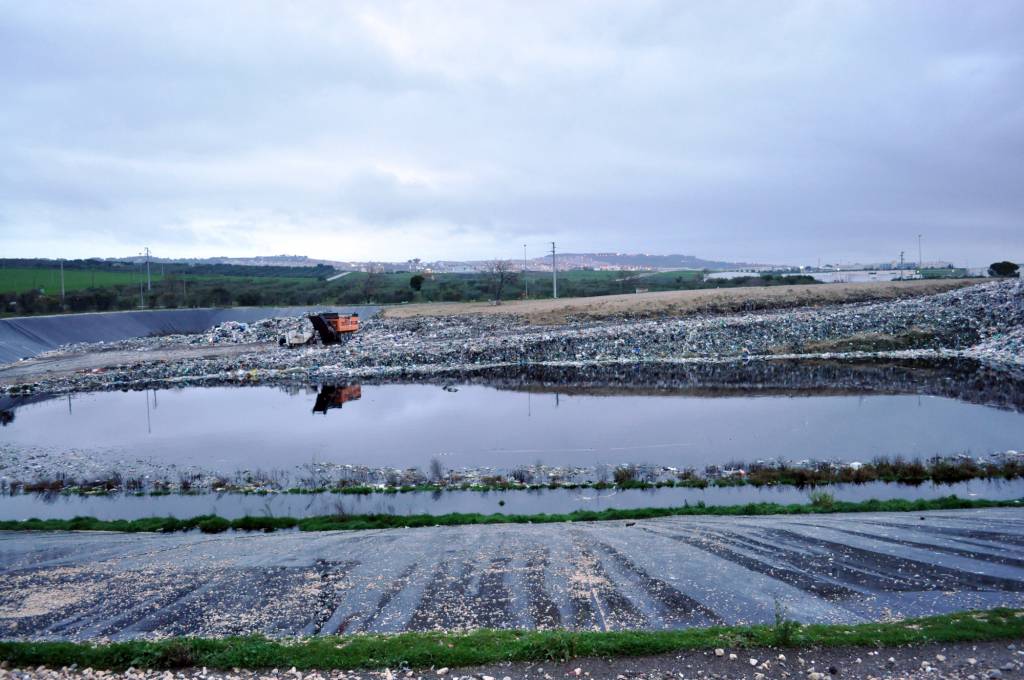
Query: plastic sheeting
column 24, row 337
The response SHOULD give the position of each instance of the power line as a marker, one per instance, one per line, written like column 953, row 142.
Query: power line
column 526, row 279
column 554, row 273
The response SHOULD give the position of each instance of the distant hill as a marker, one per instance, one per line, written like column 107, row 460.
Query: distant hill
column 258, row 261
column 565, row 261
column 642, row 260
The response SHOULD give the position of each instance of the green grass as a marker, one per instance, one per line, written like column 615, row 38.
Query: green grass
column 93, row 286
column 214, row 524
column 943, row 273
column 669, row 278
column 424, row 650
column 19, row 280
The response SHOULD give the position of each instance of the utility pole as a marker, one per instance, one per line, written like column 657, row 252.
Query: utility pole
column 901, row 265
column 62, row 281
column 526, row 281
column 149, row 280
column 554, row 273
column 920, row 261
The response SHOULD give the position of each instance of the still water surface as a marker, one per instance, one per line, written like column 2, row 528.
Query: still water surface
column 229, row 428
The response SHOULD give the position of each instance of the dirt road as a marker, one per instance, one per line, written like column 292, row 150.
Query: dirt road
column 60, row 365
column 682, row 302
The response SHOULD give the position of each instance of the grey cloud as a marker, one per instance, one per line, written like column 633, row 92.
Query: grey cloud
column 774, row 132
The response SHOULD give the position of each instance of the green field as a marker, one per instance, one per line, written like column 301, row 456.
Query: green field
column 20, row 280
column 33, row 286
column 945, row 273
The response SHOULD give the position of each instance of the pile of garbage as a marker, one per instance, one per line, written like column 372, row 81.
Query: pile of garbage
column 983, row 322
column 227, row 333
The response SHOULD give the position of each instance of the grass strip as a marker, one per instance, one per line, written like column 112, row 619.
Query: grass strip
column 422, row 650
column 822, row 503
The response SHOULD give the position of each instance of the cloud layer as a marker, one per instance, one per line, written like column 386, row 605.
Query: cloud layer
column 755, row 131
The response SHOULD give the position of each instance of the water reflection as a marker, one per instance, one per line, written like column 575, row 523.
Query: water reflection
column 336, row 396
column 680, row 416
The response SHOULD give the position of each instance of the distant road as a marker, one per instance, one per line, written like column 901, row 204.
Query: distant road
column 338, row 276
column 33, row 369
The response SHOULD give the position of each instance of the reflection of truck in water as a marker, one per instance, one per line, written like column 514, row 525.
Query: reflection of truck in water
column 330, row 326
column 335, row 396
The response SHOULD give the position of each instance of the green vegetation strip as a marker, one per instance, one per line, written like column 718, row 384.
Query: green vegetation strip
column 937, row 470
column 422, row 650
column 212, row 524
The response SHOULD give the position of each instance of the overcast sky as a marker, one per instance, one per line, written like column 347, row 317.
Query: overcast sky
column 756, row 131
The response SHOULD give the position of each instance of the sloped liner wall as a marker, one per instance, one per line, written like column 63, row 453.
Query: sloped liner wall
column 24, row 337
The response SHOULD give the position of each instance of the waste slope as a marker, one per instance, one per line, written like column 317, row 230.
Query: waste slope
column 25, row 337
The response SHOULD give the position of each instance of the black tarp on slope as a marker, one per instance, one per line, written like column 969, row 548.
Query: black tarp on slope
column 27, row 336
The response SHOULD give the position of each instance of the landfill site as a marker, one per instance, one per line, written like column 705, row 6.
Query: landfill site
column 982, row 322
column 434, row 340
column 948, row 341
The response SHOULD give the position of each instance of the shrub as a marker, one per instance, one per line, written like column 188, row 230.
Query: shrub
column 175, row 654
column 784, row 629
column 822, row 499
column 1005, row 269
column 213, row 525
column 625, row 474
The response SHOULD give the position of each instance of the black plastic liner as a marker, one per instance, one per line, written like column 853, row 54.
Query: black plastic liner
column 25, row 337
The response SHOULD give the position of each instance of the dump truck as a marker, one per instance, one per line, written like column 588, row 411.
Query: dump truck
column 331, row 328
